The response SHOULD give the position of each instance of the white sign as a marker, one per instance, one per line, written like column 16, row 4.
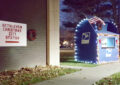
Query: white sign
column 85, row 38
column 108, row 52
column 13, row 34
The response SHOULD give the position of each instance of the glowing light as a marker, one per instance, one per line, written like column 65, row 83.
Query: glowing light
column 75, row 57
column 76, row 53
column 76, row 30
column 76, row 49
column 84, row 19
column 114, row 23
column 81, row 21
column 65, row 43
column 75, row 46
column 75, row 37
column 90, row 61
column 96, row 42
column 78, row 25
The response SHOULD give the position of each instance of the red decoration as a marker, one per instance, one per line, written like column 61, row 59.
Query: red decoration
column 31, row 34
column 100, row 41
column 116, row 41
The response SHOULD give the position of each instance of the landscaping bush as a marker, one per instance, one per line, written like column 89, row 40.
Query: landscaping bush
column 27, row 76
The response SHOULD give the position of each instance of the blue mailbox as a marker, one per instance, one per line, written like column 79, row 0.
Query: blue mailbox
column 96, row 46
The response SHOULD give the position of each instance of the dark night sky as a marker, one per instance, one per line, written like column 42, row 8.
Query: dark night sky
column 64, row 17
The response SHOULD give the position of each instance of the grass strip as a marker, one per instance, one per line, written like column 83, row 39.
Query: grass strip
column 74, row 63
column 111, row 80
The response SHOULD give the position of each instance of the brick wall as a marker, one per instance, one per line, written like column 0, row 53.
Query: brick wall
column 32, row 13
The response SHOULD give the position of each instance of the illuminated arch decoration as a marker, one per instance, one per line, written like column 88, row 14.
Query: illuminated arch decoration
column 31, row 34
column 90, row 44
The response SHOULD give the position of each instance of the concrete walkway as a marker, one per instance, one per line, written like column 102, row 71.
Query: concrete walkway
column 85, row 77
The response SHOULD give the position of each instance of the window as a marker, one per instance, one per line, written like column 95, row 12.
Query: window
column 108, row 42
